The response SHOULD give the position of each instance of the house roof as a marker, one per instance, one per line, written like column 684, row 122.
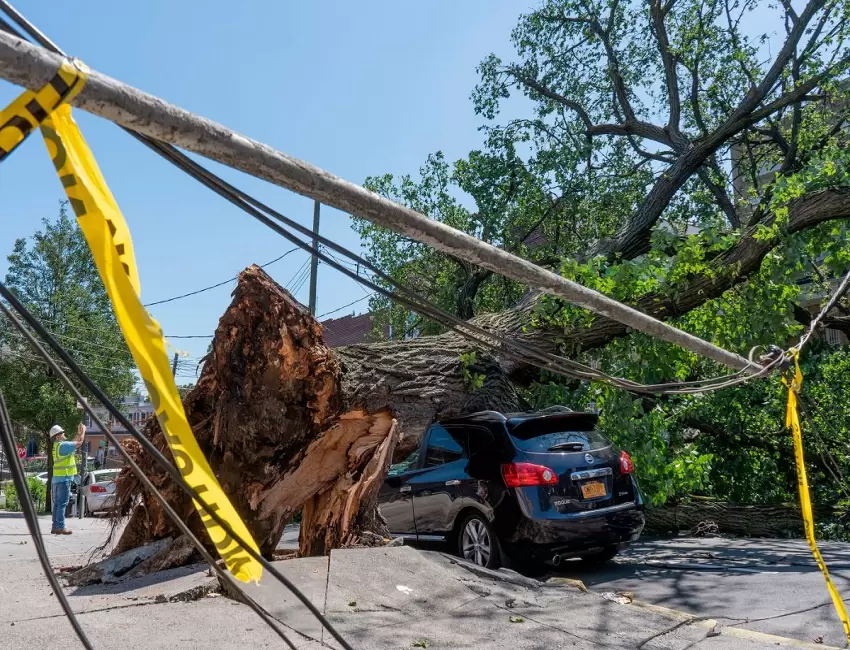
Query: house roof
column 348, row 330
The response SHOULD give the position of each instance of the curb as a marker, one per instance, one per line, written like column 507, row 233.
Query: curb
column 728, row 631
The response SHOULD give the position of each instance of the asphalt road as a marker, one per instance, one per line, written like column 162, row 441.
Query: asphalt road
column 768, row 585
column 773, row 584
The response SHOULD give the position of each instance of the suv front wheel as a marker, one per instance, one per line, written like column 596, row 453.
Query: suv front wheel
column 477, row 543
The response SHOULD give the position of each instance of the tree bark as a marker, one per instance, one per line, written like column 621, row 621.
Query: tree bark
column 759, row 520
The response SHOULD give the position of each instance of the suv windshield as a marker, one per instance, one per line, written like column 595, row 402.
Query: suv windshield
column 565, row 435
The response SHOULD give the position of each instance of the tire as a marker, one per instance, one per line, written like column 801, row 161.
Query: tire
column 477, row 542
column 603, row 556
column 86, row 511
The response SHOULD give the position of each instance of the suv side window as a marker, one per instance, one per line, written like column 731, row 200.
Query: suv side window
column 443, row 447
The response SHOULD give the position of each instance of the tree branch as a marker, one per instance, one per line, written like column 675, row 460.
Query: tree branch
column 633, row 239
column 604, row 35
column 720, row 195
column 694, row 100
column 551, row 94
column 658, row 14
column 758, row 94
column 731, row 268
column 628, row 128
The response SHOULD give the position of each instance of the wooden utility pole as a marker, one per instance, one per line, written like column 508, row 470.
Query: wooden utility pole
column 174, row 366
column 314, row 263
column 30, row 66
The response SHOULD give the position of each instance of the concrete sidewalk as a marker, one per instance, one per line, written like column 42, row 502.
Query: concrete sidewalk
column 377, row 598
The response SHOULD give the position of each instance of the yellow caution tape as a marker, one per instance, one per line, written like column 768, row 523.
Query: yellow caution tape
column 792, row 420
column 109, row 239
column 30, row 109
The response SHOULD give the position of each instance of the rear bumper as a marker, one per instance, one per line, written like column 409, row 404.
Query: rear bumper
column 543, row 538
column 99, row 503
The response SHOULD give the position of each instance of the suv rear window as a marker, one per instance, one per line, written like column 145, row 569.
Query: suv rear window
column 558, row 435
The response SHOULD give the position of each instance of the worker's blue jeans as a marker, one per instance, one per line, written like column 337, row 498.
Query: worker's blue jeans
column 61, row 495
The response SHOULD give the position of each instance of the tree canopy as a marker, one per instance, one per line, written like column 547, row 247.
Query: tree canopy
column 689, row 158
column 54, row 275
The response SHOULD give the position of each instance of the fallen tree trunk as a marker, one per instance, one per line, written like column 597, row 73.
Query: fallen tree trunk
column 759, row 520
column 286, row 423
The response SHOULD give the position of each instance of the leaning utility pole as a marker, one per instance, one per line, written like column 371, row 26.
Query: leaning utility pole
column 314, row 263
column 27, row 65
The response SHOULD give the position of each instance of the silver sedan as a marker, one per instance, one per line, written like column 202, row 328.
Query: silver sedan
column 98, row 490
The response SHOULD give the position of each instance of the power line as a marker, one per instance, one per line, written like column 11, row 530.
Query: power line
column 101, row 95
column 484, row 338
column 146, row 444
column 219, row 284
column 302, row 270
column 150, row 447
column 191, row 336
column 300, row 282
column 338, row 309
column 31, row 517
column 839, row 291
column 94, row 344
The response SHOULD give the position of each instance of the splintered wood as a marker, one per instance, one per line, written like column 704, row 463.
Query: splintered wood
column 270, row 415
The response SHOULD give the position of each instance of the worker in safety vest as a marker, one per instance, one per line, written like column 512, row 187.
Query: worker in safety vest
column 64, row 471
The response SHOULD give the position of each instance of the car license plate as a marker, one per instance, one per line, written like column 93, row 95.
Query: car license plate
column 593, row 489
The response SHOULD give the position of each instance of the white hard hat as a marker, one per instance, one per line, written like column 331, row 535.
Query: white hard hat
column 55, row 430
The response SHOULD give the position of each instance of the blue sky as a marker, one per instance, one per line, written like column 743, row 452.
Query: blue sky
column 356, row 88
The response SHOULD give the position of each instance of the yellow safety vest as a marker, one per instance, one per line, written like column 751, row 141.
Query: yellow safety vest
column 63, row 465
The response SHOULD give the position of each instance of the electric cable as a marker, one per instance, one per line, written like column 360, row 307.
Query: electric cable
column 300, row 283
column 297, row 277
column 215, row 286
column 150, row 448
column 543, row 359
column 519, row 351
column 25, row 499
column 840, row 290
column 338, row 309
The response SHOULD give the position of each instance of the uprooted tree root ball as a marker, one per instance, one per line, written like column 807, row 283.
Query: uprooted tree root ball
column 271, row 415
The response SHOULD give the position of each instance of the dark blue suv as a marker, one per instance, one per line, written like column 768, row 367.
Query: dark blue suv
column 538, row 486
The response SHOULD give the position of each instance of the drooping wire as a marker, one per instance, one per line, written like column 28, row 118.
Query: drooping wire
column 339, row 309
column 840, row 291
column 149, row 447
column 485, row 338
column 160, row 459
column 219, row 284
column 169, row 511
column 25, row 498
column 541, row 358
column 522, row 352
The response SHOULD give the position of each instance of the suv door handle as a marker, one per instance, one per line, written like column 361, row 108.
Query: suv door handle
column 453, row 482
column 404, row 488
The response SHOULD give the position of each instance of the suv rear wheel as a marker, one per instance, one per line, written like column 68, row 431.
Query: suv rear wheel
column 477, row 542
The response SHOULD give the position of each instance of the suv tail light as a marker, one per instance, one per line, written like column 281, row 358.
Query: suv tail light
column 527, row 475
column 97, row 489
column 626, row 464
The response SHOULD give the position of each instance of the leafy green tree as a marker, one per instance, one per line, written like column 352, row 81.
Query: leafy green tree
column 681, row 158
column 54, row 275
